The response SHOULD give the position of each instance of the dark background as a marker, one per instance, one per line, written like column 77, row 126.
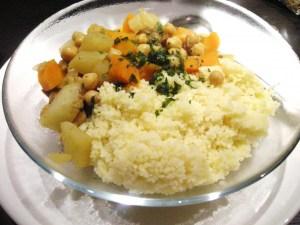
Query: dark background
column 19, row 17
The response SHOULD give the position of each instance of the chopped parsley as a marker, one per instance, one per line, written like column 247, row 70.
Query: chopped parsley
column 132, row 78
column 159, row 28
column 167, row 101
column 190, row 83
column 163, row 86
column 118, row 86
column 131, row 94
column 118, row 40
column 202, row 79
column 164, row 104
column 159, row 57
column 157, row 112
column 139, row 59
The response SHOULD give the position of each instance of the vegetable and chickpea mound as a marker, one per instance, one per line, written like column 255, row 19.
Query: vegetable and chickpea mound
column 143, row 51
column 140, row 49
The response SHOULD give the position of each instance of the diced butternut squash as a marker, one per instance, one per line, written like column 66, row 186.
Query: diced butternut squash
column 147, row 71
column 76, row 143
column 122, row 71
column 211, row 42
column 210, row 58
column 121, row 35
column 50, row 75
column 60, row 157
column 90, row 62
column 126, row 46
column 96, row 42
column 192, row 64
column 64, row 107
column 182, row 33
column 125, row 27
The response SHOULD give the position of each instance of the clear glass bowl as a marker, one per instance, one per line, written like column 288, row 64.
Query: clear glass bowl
column 254, row 43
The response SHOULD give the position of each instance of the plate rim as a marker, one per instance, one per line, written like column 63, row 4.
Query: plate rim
column 140, row 200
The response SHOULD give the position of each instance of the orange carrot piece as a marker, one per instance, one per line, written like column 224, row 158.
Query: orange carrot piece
column 147, row 71
column 210, row 59
column 116, row 34
column 126, row 47
column 192, row 64
column 125, row 27
column 50, row 75
column 212, row 42
column 122, row 71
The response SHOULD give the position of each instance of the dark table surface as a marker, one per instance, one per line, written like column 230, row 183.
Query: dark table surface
column 19, row 17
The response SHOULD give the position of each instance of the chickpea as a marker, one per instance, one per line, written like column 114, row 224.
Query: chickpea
column 178, row 52
column 144, row 48
column 173, row 51
column 182, row 53
column 198, row 49
column 174, row 42
column 191, row 40
column 156, row 47
column 155, row 37
column 216, row 78
column 68, row 52
column 92, row 94
column 80, row 118
column 90, row 81
column 142, row 38
column 174, row 61
column 78, row 37
column 169, row 29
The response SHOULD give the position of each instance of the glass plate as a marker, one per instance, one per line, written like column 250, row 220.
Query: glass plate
column 254, row 43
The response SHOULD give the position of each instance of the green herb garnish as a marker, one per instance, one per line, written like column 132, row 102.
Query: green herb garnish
column 167, row 101
column 202, row 79
column 159, row 28
column 159, row 57
column 118, row 87
column 157, row 112
column 132, row 78
column 118, row 40
column 131, row 94
column 139, row 59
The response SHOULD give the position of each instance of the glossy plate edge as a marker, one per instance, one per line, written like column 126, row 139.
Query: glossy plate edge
column 141, row 200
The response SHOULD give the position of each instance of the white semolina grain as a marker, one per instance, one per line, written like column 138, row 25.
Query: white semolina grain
column 196, row 140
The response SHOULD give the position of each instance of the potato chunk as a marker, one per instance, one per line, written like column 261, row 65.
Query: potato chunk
column 96, row 42
column 64, row 107
column 143, row 21
column 76, row 143
column 90, row 62
column 60, row 157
